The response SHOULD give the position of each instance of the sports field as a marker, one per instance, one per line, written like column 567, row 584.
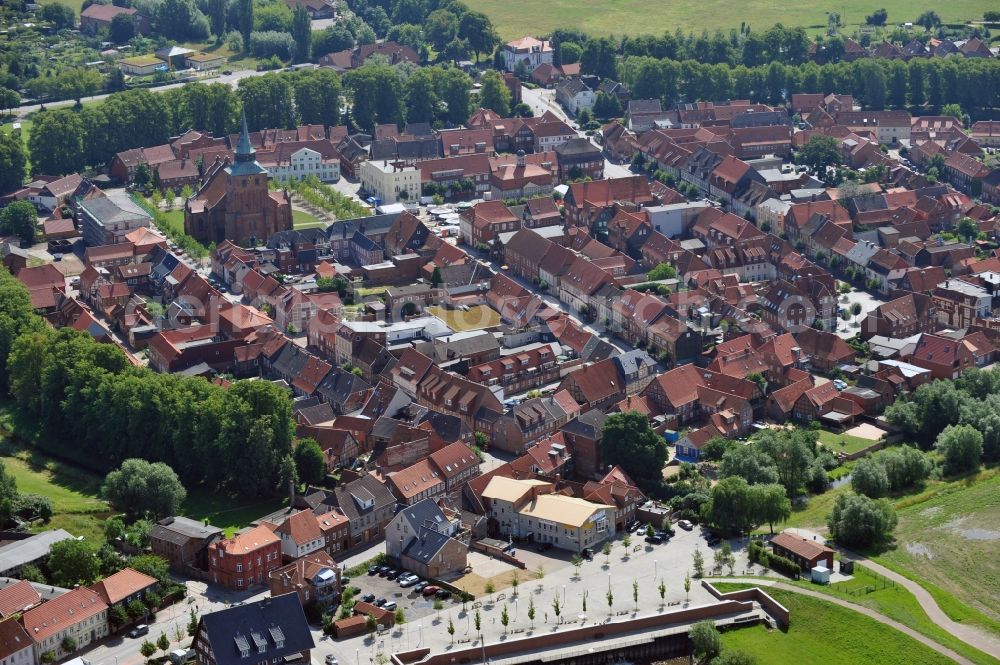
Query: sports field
column 516, row 18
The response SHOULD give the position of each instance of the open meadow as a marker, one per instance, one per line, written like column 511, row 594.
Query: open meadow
column 516, row 18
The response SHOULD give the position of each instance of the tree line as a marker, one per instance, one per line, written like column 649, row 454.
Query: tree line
column 973, row 83
column 95, row 407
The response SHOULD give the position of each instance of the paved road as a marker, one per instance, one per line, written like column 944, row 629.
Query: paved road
column 971, row 635
column 881, row 618
column 232, row 80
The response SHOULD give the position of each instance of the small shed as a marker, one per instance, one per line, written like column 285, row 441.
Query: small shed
column 821, row 575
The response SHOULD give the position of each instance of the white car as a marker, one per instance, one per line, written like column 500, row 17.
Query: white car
column 408, row 580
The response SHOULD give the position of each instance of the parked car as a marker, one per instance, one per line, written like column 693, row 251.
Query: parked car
column 139, row 631
column 443, row 594
column 654, row 540
column 368, row 598
column 420, row 586
column 430, row 590
column 393, row 574
column 384, row 570
column 373, row 570
column 380, row 602
column 390, row 606
column 331, row 659
column 686, row 525
column 587, row 554
column 408, row 581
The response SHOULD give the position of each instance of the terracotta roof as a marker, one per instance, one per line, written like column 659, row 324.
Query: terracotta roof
column 803, row 547
column 249, row 541
column 71, row 608
column 121, row 585
column 18, row 597
column 13, row 639
column 301, row 527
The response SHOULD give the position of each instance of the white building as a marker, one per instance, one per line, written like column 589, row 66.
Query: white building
column 300, row 164
column 529, row 509
column 75, row 618
column 15, row 644
column 526, row 51
column 390, row 182
column 575, row 96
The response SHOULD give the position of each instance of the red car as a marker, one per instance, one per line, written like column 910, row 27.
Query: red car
column 431, row 590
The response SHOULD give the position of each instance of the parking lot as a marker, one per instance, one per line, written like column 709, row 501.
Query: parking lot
column 413, row 604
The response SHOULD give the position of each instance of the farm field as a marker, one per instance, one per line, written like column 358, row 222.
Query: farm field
column 825, row 634
column 516, row 18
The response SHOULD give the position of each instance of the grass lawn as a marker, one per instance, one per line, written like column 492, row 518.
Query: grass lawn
column 75, row 4
column 7, row 126
column 74, row 492
column 477, row 318
column 843, row 443
column 303, row 220
column 364, row 292
column 825, row 634
column 174, row 219
column 946, row 533
column 228, row 513
column 516, row 18
column 896, row 603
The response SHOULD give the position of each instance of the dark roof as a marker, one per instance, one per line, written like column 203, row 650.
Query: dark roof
column 250, row 627
column 588, row 424
column 179, row 530
column 425, row 513
column 354, row 497
column 426, row 545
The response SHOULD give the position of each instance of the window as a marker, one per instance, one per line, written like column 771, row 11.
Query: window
column 239, row 568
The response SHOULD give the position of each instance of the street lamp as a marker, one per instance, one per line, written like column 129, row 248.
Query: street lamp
column 655, row 571
column 357, row 656
column 564, row 595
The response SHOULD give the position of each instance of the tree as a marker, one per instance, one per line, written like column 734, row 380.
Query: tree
column 61, row 16
column 137, row 610
column 451, row 630
column 730, row 506
column 504, row 619
column 310, row 462
column 246, row 9
column 661, row 271
column 400, row 616
column 56, row 142
column 122, row 29
column 436, row 277
column 750, row 463
column 117, row 615
column 68, row 644
column 371, row 623
column 630, row 442
column 152, row 565
column 769, row 504
column 192, row 626
column 531, row 611
column 72, row 562
column 477, row 30
column 687, row 586
column 635, row 594
column 217, row 18
column 21, row 219
column 440, row 28
column 858, row 521
column 477, row 620
column 557, row 607
column 139, row 487
column 962, row 448
column 606, row 105
column 929, row 20
column 421, row 97
column 706, row 643
column 662, row 588
column 495, row 94
column 13, row 163
column 163, row 643
column 698, row 562
column 878, row 17
column 869, row 477
column 147, row 649
column 626, row 542
column 610, row 597
column 606, row 551
column 819, row 152
column 968, row 229
column 514, row 582
column 301, row 33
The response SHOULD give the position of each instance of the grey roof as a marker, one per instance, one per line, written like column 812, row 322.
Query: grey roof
column 632, row 361
column 587, row 424
column 460, row 345
column 373, row 225
column 425, row 547
column 317, row 413
column 339, row 385
column 644, row 106
column 577, row 146
column 30, row 549
column 265, row 624
column 425, row 513
column 116, row 207
column 448, row 427
column 351, row 497
column 179, row 530
column 364, row 242
column 290, row 361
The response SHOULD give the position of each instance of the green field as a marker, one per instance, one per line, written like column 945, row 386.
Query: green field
column 74, row 492
column 843, row 443
column 946, row 534
column 517, row 18
column 822, row 633
column 303, row 220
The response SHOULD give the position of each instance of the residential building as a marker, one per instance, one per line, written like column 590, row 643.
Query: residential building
column 315, row 578
column 245, row 560
column 390, row 182
column 806, row 552
column 124, row 587
column 423, row 538
column 79, row 615
column 182, row 541
column 526, row 52
column 529, row 509
column 300, row 534
column 16, row 647
column 369, row 506
column 273, row 630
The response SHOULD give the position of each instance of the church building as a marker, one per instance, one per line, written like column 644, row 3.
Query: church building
column 235, row 204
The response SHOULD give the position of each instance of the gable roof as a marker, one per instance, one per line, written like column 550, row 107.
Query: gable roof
column 275, row 627
column 121, row 585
